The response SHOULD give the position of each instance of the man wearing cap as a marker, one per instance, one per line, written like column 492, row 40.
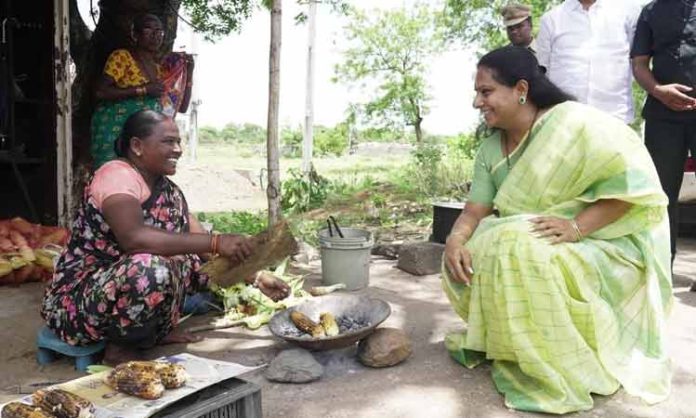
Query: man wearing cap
column 517, row 19
column 585, row 46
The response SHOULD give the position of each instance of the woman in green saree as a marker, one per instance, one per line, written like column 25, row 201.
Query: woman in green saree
column 567, row 290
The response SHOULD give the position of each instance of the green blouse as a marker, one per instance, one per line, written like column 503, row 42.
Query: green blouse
column 491, row 167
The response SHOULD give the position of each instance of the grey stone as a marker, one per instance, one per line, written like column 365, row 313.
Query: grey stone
column 421, row 258
column 384, row 348
column 294, row 366
column 389, row 251
column 306, row 253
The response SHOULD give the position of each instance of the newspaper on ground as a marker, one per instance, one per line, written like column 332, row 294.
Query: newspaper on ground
column 109, row 403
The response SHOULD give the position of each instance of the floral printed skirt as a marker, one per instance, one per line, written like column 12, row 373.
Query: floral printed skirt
column 136, row 300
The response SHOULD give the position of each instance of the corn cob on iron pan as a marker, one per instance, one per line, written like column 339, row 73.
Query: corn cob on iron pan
column 369, row 310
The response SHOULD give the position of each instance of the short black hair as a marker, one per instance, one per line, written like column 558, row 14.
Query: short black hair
column 138, row 125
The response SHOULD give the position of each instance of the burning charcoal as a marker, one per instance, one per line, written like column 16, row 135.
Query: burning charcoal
column 349, row 324
column 292, row 331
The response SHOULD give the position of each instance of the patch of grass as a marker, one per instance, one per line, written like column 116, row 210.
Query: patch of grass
column 236, row 222
column 389, row 195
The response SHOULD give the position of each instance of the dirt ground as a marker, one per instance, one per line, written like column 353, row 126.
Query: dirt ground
column 427, row 384
column 217, row 188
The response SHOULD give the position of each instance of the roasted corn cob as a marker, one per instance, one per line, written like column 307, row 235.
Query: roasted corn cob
column 62, row 404
column 328, row 322
column 172, row 375
column 325, row 290
column 143, row 383
column 303, row 323
column 22, row 410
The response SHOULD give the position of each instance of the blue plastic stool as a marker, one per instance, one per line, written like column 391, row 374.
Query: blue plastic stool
column 48, row 345
column 198, row 303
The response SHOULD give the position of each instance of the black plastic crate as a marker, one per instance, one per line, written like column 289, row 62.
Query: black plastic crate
column 231, row 398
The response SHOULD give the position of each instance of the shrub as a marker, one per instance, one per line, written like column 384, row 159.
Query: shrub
column 301, row 193
column 331, row 141
column 291, row 140
column 235, row 222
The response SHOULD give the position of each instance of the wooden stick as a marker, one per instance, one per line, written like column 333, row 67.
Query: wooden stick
column 221, row 324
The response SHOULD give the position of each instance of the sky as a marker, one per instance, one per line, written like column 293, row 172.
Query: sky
column 231, row 75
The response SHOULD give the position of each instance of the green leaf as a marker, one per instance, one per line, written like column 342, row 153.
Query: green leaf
column 280, row 270
column 97, row 368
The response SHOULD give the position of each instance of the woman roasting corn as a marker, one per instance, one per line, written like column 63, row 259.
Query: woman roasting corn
column 135, row 250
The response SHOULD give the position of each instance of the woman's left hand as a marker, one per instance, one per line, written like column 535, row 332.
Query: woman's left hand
column 559, row 230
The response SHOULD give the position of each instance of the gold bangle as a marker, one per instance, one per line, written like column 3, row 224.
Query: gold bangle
column 576, row 228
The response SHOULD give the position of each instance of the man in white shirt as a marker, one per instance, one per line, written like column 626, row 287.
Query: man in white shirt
column 585, row 47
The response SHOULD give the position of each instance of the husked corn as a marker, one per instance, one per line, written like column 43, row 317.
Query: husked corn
column 328, row 322
column 303, row 323
column 22, row 410
column 62, row 404
column 172, row 375
column 144, row 383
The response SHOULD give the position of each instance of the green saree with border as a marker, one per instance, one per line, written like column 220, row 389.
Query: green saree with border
column 561, row 322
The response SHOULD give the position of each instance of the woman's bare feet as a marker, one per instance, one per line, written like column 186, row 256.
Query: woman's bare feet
column 116, row 354
column 180, row 337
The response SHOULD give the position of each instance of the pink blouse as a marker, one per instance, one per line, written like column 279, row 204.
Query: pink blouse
column 117, row 177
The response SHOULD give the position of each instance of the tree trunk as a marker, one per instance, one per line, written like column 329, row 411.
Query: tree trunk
column 417, row 119
column 89, row 53
column 419, row 131
column 273, row 189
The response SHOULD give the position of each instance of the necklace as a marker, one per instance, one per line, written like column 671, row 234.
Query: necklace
column 528, row 133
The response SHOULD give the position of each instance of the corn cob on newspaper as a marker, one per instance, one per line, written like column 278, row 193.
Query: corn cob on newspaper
column 202, row 372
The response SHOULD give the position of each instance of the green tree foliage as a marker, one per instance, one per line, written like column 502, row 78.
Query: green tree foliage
column 327, row 140
column 218, row 18
column 331, row 141
column 391, row 50
column 478, row 23
column 246, row 133
column 291, row 141
column 221, row 17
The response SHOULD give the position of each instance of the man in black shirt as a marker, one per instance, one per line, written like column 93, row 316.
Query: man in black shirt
column 666, row 34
